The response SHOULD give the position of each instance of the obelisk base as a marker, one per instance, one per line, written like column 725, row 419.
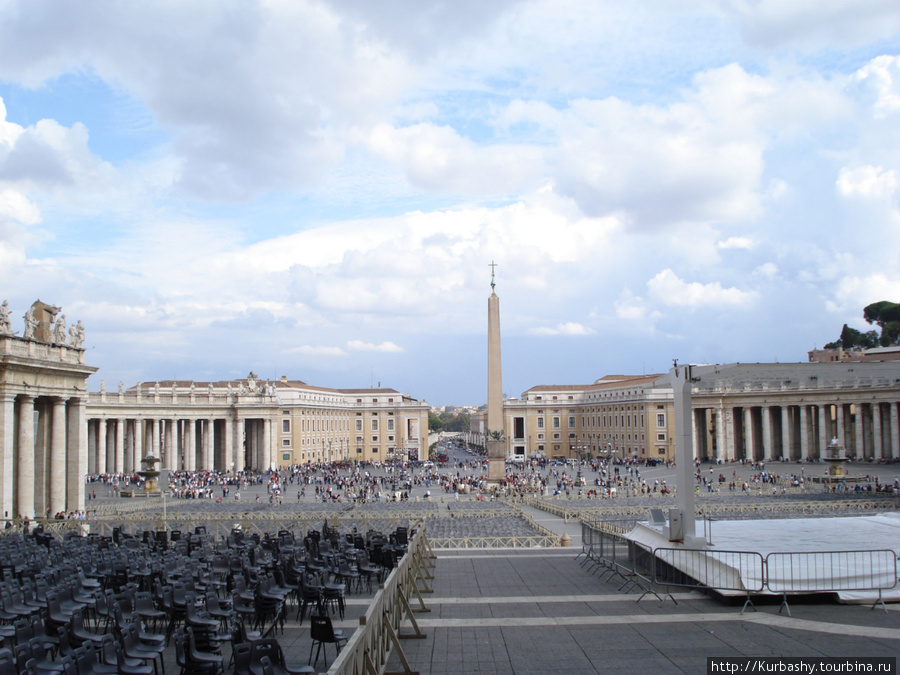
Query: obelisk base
column 496, row 452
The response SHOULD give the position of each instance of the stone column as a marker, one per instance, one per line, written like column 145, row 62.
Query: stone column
column 111, row 445
column 101, row 446
column 120, row 446
column 785, row 432
column 804, row 432
column 824, row 440
column 160, row 434
column 139, row 430
column 895, row 431
column 841, row 431
column 57, row 463
column 150, row 447
column 172, row 458
column 7, row 443
column 229, row 444
column 25, row 464
column 209, row 434
column 267, row 444
column 76, row 460
column 749, row 435
column 721, row 435
column 190, row 445
column 768, row 444
column 877, row 435
column 859, row 427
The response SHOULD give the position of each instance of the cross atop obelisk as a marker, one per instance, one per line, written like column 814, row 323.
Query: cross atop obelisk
column 496, row 443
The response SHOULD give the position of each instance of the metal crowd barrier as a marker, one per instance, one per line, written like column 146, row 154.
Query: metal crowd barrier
column 608, row 551
column 381, row 628
column 831, row 571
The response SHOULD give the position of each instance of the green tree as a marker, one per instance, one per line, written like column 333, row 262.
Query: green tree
column 434, row 422
column 886, row 315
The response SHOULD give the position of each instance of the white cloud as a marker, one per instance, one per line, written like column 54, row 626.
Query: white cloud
column 775, row 23
column 568, row 328
column 852, row 292
column 767, row 270
column 745, row 243
column 360, row 346
column 667, row 288
column 873, row 182
column 315, row 350
column 438, row 158
column 882, row 76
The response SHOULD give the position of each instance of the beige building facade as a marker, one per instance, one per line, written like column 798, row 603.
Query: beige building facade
column 249, row 424
column 758, row 412
column 621, row 416
column 43, row 397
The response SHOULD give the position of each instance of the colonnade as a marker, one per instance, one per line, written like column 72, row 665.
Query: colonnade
column 44, row 452
column 796, row 431
column 212, row 443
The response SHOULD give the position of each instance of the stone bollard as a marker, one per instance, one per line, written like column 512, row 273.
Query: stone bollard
column 565, row 540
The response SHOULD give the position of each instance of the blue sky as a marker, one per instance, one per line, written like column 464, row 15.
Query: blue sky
column 316, row 189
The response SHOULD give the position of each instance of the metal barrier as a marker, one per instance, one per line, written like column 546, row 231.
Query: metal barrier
column 380, row 629
column 738, row 571
column 831, row 571
column 608, row 550
column 531, row 541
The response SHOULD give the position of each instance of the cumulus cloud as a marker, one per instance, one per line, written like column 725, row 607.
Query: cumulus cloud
column 736, row 242
column 252, row 93
column 667, row 288
column 387, row 347
column 315, row 350
column 872, row 182
column 811, row 25
column 568, row 328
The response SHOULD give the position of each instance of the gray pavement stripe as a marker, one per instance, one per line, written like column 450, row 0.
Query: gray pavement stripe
column 532, row 599
column 548, row 553
column 632, row 619
column 822, row 627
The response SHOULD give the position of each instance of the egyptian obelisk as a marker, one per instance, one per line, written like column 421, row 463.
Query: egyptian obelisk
column 496, row 443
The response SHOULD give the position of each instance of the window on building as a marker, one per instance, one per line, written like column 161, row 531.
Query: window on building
column 571, row 421
column 660, row 419
column 374, row 439
column 390, row 438
column 662, row 451
column 540, row 422
column 540, row 437
column 359, row 439
column 390, row 424
column 556, row 423
column 285, row 426
column 286, row 457
column 359, row 425
column 286, row 442
column 660, row 437
column 375, row 425
column 556, row 437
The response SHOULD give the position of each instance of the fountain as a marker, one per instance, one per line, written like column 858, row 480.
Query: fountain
column 837, row 472
column 150, row 474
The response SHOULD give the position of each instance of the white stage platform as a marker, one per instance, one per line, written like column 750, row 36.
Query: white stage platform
column 809, row 574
